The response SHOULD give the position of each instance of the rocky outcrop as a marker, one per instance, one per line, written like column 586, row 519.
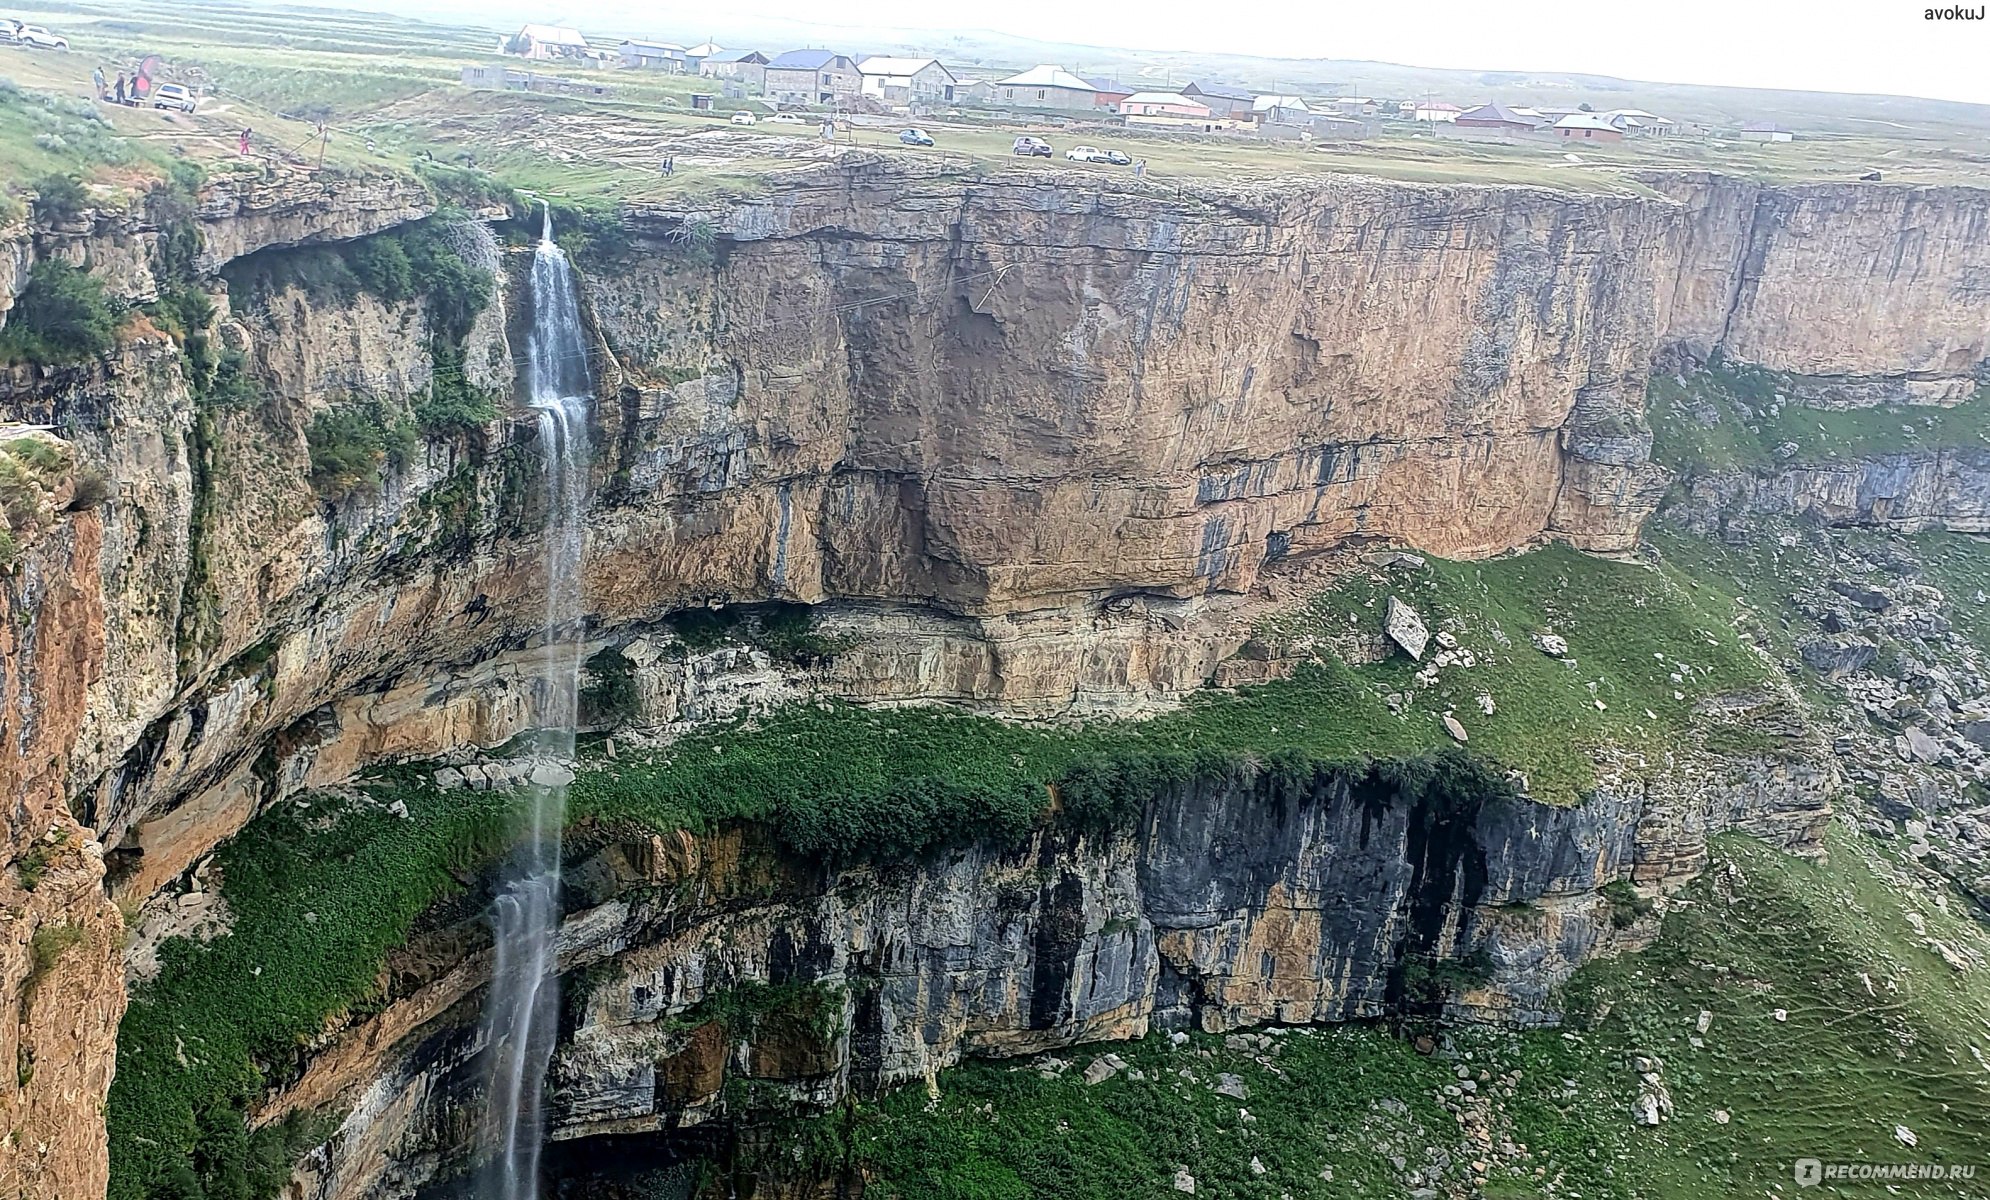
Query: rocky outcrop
column 60, row 979
column 1911, row 492
column 710, row 981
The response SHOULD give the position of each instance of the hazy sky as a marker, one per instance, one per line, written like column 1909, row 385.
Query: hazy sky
column 1826, row 45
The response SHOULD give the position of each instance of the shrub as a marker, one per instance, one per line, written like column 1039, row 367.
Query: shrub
column 383, row 268
column 352, row 447
column 49, row 944
column 59, row 199
column 1626, row 906
column 62, row 316
column 611, row 696
column 452, row 407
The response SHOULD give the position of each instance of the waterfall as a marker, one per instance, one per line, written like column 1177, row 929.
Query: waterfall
column 522, row 1013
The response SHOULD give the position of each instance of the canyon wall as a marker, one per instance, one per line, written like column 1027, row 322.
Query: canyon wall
column 1869, row 294
column 1036, row 442
column 713, row 981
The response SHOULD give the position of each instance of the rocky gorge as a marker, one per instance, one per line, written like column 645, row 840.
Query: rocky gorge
column 1031, row 446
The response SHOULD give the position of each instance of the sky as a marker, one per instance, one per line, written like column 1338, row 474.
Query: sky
column 1881, row 46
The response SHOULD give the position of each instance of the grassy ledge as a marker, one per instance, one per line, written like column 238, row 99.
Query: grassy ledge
column 324, row 888
column 1728, row 418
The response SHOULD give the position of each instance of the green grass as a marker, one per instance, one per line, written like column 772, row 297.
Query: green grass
column 1630, row 629
column 839, row 781
column 1730, row 418
column 1763, row 932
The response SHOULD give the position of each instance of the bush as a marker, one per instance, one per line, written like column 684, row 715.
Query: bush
column 59, row 199
column 452, row 407
column 383, row 268
column 1626, row 906
column 61, row 317
column 611, row 696
column 353, row 447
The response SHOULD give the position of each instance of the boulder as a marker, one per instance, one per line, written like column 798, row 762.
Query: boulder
column 1552, row 645
column 1838, row 657
column 1232, row 1086
column 1977, row 733
column 1921, row 746
column 1452, row 727
column 1869, row 598
column 1405, row 628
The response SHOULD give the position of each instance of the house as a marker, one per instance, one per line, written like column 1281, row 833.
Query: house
column 1497, row 117
column 1436, row 111
column 1281, row 110
column 1356, row 106
column 1163, row 104
column 1639, row 123
column 655, row 56
column 509, row 80
column 974, row 91
column 1592, row 127
column 1221, row 101
column 702, row 51
column 906, row 81
column 1110, row 92
column 547, row 41
column 1047, row 86
column 812, row 77
column 1763, row 132
column 749, row 67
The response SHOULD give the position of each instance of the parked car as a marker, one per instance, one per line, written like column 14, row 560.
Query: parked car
column 1119, row 158
column 743, row 117
column 1086, row 154
column 34, row 37
column 174, row 95
column 790, row 119
column 916, row 137
column 10, row 34
column 1031, row 147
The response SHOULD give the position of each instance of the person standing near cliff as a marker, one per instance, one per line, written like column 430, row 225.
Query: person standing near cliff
column 242, row 143
column 97, row 77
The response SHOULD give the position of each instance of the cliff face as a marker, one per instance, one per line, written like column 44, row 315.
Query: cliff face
column 1876, row 294
column 1036, row 444
column 1910, row 491
column 710, row 981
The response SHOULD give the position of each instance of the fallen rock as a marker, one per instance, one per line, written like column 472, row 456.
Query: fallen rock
column 1102, row 1068
column 1837, row 657
column 1452, row 727
column 1922, row 747
column 1405, row 628
column 1869, row 598
column 1232, row 1086
column 1552, row 645
column 1184, row 1182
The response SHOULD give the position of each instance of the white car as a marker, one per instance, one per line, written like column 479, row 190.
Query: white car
column 1086, row 154
column 742, row 117
column 174, row 95
column 36, row 38
column 790, row 119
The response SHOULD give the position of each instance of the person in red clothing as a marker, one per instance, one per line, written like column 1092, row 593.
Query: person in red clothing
column 243, row 147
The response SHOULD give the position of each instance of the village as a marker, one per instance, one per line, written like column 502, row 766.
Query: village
column 832, row 90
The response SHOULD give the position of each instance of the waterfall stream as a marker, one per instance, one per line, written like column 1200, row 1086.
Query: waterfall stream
column 521, row 1014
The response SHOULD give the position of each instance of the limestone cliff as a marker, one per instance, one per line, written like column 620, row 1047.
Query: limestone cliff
column 714, row 982
column 1033, row 443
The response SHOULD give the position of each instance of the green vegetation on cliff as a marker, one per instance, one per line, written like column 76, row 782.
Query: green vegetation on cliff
column 1729, row 417
column 62, row 316
column 323, row 892
column 1831, row 1021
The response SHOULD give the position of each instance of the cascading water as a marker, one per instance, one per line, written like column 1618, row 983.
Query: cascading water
column 521, row 1014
